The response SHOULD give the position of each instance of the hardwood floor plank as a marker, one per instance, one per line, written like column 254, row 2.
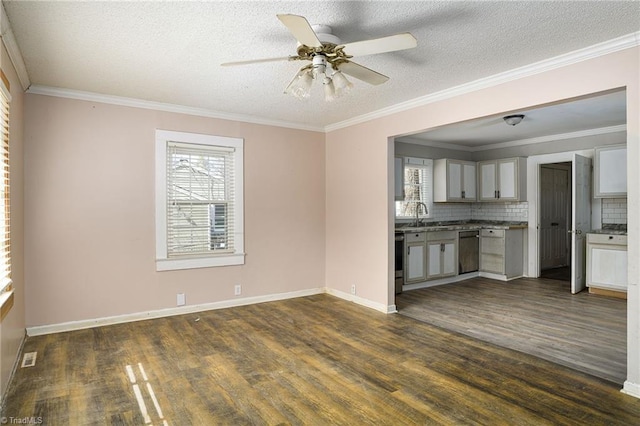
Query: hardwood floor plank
column 314, row 360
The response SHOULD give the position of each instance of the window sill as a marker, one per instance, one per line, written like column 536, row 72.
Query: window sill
column 6, row 303
column 200, row 262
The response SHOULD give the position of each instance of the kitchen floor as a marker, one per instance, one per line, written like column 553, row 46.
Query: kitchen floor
column 536, row 316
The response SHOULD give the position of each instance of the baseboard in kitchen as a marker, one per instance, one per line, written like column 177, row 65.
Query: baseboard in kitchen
column 632, row 389
column 441, row 281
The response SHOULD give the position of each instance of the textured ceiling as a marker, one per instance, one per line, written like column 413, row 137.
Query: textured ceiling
column 171, row 51
column 593, row 113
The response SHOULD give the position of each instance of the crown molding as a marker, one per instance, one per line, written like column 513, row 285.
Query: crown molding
column 520, row 142
column 621, row 43
column 434, row 144
column 160, row 106
column 10, row 44
column 553, row 138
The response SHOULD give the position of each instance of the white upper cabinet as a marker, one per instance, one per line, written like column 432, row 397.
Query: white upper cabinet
column 610, row 172
column 454, row 180
column 503, row 180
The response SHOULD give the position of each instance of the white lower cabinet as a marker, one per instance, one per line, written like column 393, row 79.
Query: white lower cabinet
column 442, row 254
column 607, row 261
column 502, row 252
column 415, row 257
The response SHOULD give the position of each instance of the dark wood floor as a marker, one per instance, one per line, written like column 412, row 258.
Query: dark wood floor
column 314, row 360
column 536, row 316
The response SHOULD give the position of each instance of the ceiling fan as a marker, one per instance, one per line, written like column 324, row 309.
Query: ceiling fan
column 330, row 58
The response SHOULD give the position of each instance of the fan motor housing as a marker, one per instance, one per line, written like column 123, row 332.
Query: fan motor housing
column 325, row 34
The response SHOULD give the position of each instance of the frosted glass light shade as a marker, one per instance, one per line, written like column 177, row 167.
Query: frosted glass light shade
column 342, row 85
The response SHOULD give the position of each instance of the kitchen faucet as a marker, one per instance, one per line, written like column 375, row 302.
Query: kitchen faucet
column 426, row 211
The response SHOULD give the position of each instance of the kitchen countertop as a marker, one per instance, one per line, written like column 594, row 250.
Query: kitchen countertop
column 460, row 226
column 608, row 232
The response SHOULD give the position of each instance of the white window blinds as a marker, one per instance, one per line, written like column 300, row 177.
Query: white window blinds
column 418, row 188
column 5, row 233
column 200, row 200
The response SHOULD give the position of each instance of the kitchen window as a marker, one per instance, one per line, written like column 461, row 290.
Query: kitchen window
column 199, row 193
column 5, row 233
column 418, row 188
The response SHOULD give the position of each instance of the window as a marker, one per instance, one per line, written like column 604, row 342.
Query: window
column 418, row 188
column 199, row 192
column 5, row 234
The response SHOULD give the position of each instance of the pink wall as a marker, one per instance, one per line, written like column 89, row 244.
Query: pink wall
column 89, row 203
column 12, row 328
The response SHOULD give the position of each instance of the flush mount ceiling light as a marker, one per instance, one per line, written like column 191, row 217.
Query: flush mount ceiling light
column 330, row 59
column 514, row 119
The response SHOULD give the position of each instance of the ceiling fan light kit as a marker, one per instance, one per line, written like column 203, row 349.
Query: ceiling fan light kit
column 330, row 59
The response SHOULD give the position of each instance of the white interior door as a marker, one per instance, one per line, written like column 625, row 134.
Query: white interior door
column 581, row 220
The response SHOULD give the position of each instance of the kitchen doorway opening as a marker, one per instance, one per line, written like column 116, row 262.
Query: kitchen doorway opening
column 555, row 221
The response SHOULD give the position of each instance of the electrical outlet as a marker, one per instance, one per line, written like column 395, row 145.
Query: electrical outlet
column 238, row 290
column 181, row 299
column 353, row 289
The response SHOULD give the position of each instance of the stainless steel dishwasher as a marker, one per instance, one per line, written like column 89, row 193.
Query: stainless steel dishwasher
column 468, row 251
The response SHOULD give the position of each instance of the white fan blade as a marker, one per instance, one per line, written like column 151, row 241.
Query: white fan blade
column 362, row 73
column 381, row 45
column 259, row 61
column 301, row 30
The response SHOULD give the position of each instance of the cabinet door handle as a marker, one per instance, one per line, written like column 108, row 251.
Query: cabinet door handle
column 498, row 194
column 408, row 250
column 462, row 194
column 442, row 248
column 495, row 194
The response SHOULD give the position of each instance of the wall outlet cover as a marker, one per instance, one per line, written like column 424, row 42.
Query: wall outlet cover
column 181, row 299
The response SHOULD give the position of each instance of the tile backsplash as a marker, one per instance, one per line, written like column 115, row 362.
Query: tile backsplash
column 614, row 210
column 450, row 211
column 516, row 212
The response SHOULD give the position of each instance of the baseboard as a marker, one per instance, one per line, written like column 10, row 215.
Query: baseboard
column 13, row 371
column 632, row 389
column 441, row 281
column 180, row 310
column 498, row 277
column 362, row 301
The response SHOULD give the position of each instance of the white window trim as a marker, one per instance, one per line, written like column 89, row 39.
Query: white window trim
column 163, row 263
